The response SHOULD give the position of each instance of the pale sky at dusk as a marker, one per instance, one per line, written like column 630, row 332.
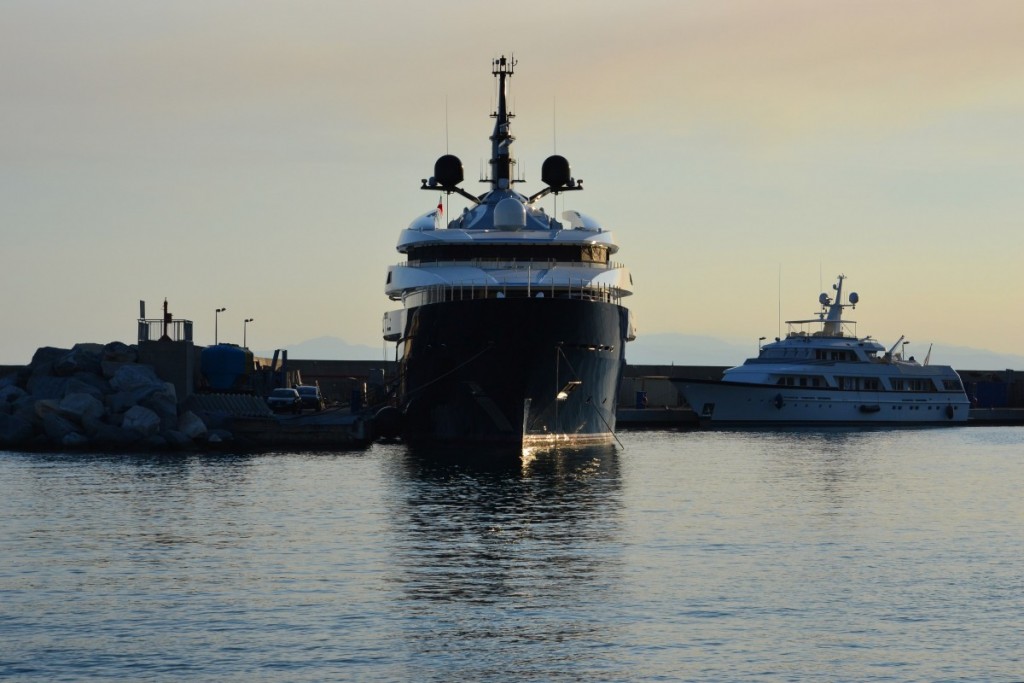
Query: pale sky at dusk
column 263, row 157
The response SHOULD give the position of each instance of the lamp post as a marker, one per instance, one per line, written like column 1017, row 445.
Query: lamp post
column 759, row 340
column 216, row 321
column 245, row 330
column 903, row 351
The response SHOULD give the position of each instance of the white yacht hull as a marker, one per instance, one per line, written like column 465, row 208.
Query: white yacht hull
column 718, row 403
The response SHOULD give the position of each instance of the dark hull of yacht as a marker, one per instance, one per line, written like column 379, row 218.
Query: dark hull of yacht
column 515, row 372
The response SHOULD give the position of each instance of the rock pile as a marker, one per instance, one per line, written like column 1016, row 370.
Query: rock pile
column 95, row 396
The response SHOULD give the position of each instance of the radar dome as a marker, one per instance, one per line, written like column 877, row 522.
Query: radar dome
column 823, row 299
column 555, row 172
column 854, row 297
column 448, row 170
column 509, row 214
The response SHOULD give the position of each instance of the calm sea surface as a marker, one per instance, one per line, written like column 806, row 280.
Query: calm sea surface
column 705, row 556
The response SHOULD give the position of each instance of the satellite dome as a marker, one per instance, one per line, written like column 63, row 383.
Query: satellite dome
column 510, row 214
column 448, row 170
column 555, row 172
column 854, row 298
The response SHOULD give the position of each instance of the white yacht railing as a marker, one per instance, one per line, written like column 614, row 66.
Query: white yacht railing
column 488, row 290
column 534, row 264
column 798, row 329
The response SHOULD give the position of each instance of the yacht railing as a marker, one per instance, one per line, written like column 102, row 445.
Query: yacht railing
column 488, row 290
column 796, row 329
column 514, row 264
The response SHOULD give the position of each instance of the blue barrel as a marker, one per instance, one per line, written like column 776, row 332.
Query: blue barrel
column 225, row 366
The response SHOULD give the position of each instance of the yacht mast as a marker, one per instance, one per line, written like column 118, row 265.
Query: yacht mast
column 501, row 141
column 833, row 323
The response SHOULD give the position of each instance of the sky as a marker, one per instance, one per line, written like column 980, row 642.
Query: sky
column 263, row 157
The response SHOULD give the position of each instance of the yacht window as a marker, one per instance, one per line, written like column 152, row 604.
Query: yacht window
column 588, row 253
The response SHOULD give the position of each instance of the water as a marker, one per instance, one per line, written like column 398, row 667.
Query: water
column 741, row 556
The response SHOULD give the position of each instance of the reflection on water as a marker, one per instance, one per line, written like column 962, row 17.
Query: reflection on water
column 830, row 465
column 816, row 555
column 504, row 551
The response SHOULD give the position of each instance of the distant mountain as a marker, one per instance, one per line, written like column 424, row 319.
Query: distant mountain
column 329, row 348
column 672, row 349
column 684, row 349
column 967, row 358
column 687, row 349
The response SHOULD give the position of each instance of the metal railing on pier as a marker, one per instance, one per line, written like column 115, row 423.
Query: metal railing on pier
column 155, row 329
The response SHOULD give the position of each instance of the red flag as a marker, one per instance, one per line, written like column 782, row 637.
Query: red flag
column 440, row 206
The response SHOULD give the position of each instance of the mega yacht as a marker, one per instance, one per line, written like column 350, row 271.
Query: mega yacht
column 823, row 373
column 511, row 330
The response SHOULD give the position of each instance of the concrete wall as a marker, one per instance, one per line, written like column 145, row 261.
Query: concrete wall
column 653, row 379
column 174, row 362
column 339, row 378
column 994, row 388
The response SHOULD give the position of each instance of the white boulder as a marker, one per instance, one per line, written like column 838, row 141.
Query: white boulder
column 142, row 420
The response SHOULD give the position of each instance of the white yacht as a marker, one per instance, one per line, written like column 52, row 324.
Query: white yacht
column 823, row 373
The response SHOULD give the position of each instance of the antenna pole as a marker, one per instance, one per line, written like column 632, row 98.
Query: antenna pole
column 554, row 125
column 780, row 301
column 554, row 150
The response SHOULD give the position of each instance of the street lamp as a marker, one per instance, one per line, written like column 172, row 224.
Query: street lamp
column 216, row 320
column 245, row 330
column 759, row 340
column 903, row 351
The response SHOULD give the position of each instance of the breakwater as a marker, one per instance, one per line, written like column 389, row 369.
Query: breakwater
column 95, row 396
column 153, row 396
